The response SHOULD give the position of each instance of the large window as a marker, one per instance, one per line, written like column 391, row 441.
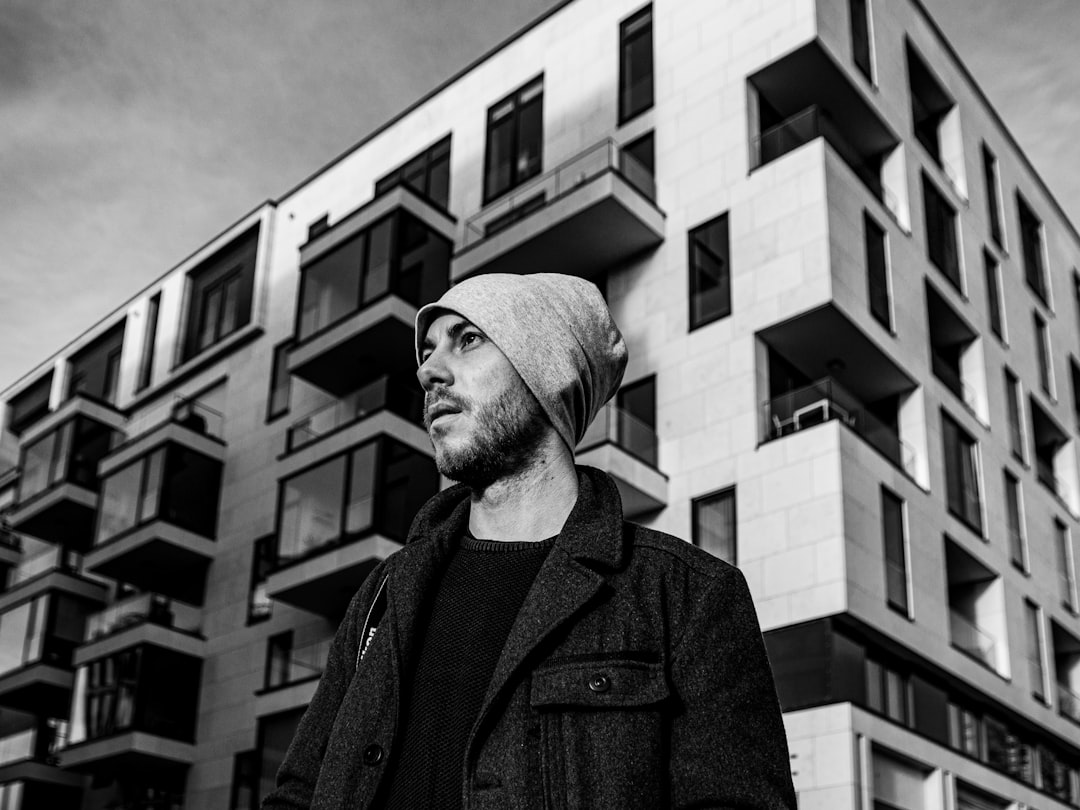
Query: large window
column 710, row 272
column 30, row 404
column 961, row 473
column 877, row 271
column 377, row 487
column 22, row 634
column 993, row 195
column 896, row 572
column 714, row 524
column 635, row 64
column 995, row 306
column 428, row 174
column 1031, row 242
column 68, row 454
column 941, row 239
column 220, row 294
column 860, row 36
column 515, row 139
column 95, row 370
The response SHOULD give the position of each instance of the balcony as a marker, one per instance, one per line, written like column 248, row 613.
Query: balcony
column 331, row 535
column 28, row 755
column 158, row 522
column 626, row 448
column 133, row 711
column 58, row 485
column 188, row 423
column 10, row 547
column 826, row 400
column 588, row 214
column 292, row 685
column 385, row 393
column 143, row 618
column 361, row 283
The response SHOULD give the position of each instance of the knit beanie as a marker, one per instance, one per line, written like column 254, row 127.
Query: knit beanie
column 555, row 330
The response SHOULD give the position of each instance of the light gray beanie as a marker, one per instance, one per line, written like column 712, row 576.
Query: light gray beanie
column 554, row 329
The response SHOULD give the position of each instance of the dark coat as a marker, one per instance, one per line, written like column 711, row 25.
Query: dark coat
column 634, row 677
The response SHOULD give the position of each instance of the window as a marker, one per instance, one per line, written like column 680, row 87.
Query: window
column 898, row 783
column 993, row 195
column 1015, row 521
column 278, row 654
column 22, row 634
column 428, row 174
column 95, row 370
column 260, row 605
column 930, row 104
column 995, row 306
column 961, row 473
column 892, row 529
column 274, row 734
column 1066, row 572
column 635, row 65
column 637, row 419
column 146, row 363
column 941, row 240
column 637, row 162
column 221, row 294
column 1007, row 753
column 280, row 382
column 877, row 272
column 710, row 272
column 1033, row 628
column 1042, row 350
column 1013, row 407
column 1074, row 376
column 964, row 731
column 714, row 524
column 860, row 36
column 515, row 140
column 1031, row 242
column 887, row 691
column 30, row 405
column 244, row 781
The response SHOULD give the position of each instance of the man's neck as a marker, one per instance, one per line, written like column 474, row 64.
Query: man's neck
column 530, row 505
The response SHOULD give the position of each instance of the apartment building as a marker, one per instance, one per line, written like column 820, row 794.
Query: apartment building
column 853, row 315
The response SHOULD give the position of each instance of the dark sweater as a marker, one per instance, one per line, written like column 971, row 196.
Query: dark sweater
column 472, row 610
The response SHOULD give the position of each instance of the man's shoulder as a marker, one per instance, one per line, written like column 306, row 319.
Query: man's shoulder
column 654, row 548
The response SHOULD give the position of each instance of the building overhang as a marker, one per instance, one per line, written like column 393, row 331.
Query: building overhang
column 63, row 514
column 642, row 488
column 40, row 687
column 127, row 753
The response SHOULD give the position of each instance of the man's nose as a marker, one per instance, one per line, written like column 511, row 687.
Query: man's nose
column 434, row 371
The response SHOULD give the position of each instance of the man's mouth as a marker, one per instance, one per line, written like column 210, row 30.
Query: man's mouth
column 440, row 409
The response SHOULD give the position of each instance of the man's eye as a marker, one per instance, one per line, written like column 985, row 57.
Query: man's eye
column 469, row 337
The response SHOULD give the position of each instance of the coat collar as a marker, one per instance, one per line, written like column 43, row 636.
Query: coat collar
column 592, row 534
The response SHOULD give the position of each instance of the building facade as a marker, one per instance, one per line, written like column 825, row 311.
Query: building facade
column 853, row 317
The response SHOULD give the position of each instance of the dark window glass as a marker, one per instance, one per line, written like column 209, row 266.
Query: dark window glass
column 860, row 36
column 1034, row 650
column 1042, row 349
column 961, row 473
column 321, row 225
column 714, row 524
column 993, row 294
column 887, row 691
column 1012, row 407
column 1074, row 375
column 428, row 174
column 636, row 426
column 190, row 491
column 1066, row 574
column 1031, row 241
column 635, row 65
column 146, row 363
column 993, row 198
column 30, row 405
column 280, row 382
column 274, row 735
column 245, row 779
column 892, row 528
column 941, row 244
column 278, row 652
column 95, row 370
column 221, row 294
column 877, row 272
column 1014, row 520
column 260, row 605
column 515, row 140
column 637, row 162
column 929, row 104
column 710, row 272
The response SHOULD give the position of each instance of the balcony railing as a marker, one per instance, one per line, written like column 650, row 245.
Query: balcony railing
column 623, row 429
column 543, row 190
column 304, row 663
column 55, row 558
column 144, row 608
column 9, row 539
column 382, row 393
column 1068, row 702
column 972, row 639
column 199, row 418
column 825, row 400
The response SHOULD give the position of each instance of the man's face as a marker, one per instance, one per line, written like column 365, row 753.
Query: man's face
column 483, row 421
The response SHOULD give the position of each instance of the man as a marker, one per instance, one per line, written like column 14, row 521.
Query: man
column 528, row 648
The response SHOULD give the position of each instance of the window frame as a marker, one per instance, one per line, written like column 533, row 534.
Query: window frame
column 995, row 301
column 693, row 271
column 992, row 182
column 1013, row 486
column 708, row 499
column 280, row 354
column 867, row 29
column 949, row 232
column 631, row 31
column 970, row 462
column 146, row 361
column 520, row 104
column 886, row 319
column 887, row 494
column 1033, row 256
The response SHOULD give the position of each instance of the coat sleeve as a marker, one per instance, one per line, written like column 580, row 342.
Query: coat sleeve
column 729, row 749
column 299, row 771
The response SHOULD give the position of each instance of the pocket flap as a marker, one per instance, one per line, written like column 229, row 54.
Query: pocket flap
column 599, row 684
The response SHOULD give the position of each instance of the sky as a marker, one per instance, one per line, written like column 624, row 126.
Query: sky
column 133, row 131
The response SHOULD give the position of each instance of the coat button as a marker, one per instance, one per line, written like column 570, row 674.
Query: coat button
column 373, row 754
column 599, row 682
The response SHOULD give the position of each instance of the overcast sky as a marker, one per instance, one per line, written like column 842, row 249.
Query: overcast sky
column 132, row 131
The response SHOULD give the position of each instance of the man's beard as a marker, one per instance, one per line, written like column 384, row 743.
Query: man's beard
column 505, row 435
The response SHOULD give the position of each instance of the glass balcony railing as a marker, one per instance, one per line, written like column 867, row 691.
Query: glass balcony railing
column 18, row 747
column 623, row 429
column 303, row 664
column 826, row 400
column 144, row 608
column 541, row 191
column 969, row 637
column 9, row 539
column 1068, row 702
column 383, row 393
column 199, row 418
column 55, row 558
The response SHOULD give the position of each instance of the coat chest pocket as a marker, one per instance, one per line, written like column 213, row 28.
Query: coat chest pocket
column 603, row 733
